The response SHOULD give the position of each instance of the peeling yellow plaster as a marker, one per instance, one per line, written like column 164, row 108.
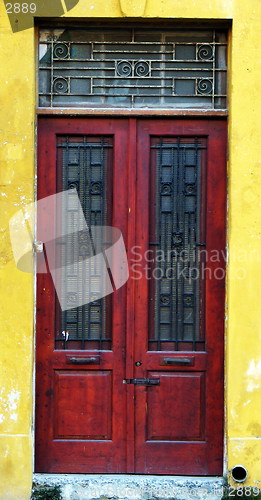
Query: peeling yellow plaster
column 15, row 467
column 199, row 9
column 243, row 296
column 131, row 8
column 16, row 288
column 239, row 449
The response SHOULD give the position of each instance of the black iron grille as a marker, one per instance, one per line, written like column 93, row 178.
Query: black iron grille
column 177, row 234
column 84, row 164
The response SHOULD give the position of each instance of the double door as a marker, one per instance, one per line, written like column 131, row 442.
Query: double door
column 132, row 381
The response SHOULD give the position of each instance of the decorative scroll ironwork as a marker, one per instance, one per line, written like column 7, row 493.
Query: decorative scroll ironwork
column 205, row 86
column 132, row 68
column 60, row 85
column 83, row 164
column 205, row 52
column 176, row 224
column 61, row 51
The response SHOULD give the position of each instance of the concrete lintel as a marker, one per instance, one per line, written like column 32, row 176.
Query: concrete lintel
column 132, row 487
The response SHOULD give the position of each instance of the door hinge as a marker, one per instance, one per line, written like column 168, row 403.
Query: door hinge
column 142, row 381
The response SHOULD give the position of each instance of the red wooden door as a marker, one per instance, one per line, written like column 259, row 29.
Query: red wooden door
column 137, row 386
column 80, row 418
column 180, row 298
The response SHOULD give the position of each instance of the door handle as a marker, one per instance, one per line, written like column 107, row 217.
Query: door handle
column 142, row 381
column 177, row 362
column 92, row 360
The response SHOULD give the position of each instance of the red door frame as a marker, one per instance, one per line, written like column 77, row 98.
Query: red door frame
column 133, row 225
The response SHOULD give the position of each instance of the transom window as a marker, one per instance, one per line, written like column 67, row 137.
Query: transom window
column 133, row 68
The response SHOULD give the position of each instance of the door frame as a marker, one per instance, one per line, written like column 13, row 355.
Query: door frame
column 131, row 239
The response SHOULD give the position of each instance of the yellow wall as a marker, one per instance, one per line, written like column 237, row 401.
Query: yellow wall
column 16, row 288
column 243, row 348
column 243, row 363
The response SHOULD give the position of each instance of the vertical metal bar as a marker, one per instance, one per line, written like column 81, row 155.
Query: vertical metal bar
column 103, row 206
column 172, row 207
column 88, row 212
column 83, row 204
column 159, row 233
column 195, row 281
column 51, row 86
column 182, row 230
column 103, row 72
column 65, row 211
column 177, row 229
column 91, row 77
column 79, row 180
column 213, row 69
column 162, row 72
column 181, row 326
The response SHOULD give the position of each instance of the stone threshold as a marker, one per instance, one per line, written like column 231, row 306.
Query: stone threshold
column 131, row 487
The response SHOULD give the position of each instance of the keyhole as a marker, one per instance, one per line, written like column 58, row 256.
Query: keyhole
column 138, row 363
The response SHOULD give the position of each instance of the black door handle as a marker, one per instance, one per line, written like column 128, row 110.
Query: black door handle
column 92, row 360
column 142, row 381
column 177, row 361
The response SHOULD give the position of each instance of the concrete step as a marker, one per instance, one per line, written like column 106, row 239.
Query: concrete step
column 130, row 487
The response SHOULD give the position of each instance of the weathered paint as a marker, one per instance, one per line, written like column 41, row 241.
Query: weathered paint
column 16, row 288
column 243, row 346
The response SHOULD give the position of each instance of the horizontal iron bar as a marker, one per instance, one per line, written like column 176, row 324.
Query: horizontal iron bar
column 180, row 146
column 80, row 339
column 141, row 87
column 210, row 95
column 147, row 59
column 128, row 42
column 104, row 77
column 177, row 341
column 84, row 145
column 102, row 68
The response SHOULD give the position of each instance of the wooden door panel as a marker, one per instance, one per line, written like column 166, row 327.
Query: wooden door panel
column 80, row 409
column 187, row 458
column 83, row 404
column 176, row 407
column 179, row 423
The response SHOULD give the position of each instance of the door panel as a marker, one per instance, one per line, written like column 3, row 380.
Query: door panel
column 162, row 183
column 86, row 415
column 80, row 418
column 179, row 321
column 174, row 408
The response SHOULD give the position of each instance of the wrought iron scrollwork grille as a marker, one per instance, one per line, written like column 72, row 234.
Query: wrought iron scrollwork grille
column 176, row 313
column 132, row 68
column 84, row 163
